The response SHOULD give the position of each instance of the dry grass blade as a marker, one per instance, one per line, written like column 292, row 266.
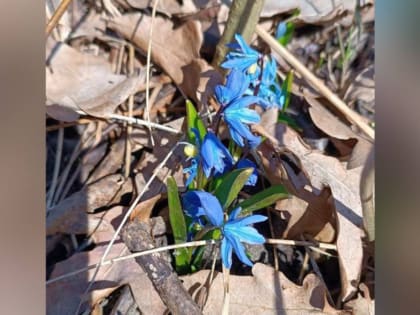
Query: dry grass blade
column 56, row 17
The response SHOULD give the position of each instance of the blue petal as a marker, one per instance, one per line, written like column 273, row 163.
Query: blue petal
column 243, row 115
column 237, row 82
column 244, row 46
column 239, row 249
column 246, row 234
column 239, row 131
column 191, row 171
column 214, row 155
column 246, row 101
column 241, row 63
column 281, row 30
column 234, row 214
column 211, row 206
column 192, row 205
column 256, row 218
column 226, row 253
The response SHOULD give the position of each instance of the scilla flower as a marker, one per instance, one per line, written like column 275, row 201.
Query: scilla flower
column 235, row 111
column 211, row 154
column 269, row 89
column 242, row 57
column 234, row 231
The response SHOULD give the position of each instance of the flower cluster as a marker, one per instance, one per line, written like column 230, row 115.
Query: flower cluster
column 251, row 81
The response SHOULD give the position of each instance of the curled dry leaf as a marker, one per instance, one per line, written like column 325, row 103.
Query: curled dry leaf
column 84, row 82
column 64, row 296
column 266, row 292
column 176, row 51
column 70, row 215
column 324, row 171
column 333, row 127
column 314, row 218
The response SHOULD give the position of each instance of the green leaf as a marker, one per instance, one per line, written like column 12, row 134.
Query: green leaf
column 288, row 120
column 286, row 38
column 179, row 228
column 232, row 184
column 263, row 199
column 194, row 121
column 286, row 89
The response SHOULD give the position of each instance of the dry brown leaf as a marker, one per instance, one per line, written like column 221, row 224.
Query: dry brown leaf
column 168, row 7
column 333, row 127
column 363, row 87
column 70, row 215
column 266, row 292
column 144, row 209
column 176, row 51
column 324, row 171
column 85, row 82
column 314, row 218
column 362, row 305
column 63, row 296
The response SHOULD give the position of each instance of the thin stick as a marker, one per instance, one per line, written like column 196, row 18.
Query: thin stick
column 57, row 162
column 56, row 16
column 226, row 295
column 126, row 216
column 137, row 122
column 351, row 115
column 141, row 122
column 130, row 114
column 300, row 243
column 149, row 53
column 181, row 245
column 130, row 256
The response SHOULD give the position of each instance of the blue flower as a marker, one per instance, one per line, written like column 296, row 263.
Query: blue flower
column 211, row 154
column 214, row 156
column 235, row 230
column 191, row 171
column 269, row 89
column 245, row 163
column 234, row 107
column 281, row 30
column 242, row 57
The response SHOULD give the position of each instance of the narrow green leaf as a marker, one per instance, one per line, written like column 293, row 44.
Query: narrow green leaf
column 232, row 184
column 288, row 120
column 194, row 121
column 263, row 199
column 286, row 88
column 179, row 228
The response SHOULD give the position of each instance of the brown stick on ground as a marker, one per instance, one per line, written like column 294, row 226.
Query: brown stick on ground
column 137, row 238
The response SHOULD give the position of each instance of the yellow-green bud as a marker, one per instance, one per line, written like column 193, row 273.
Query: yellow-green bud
column 252, row 68
column 190, row 150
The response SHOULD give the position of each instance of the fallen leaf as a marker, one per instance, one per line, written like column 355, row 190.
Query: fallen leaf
column 64, row 296
column 266, row 292
column 333, row 127
column 362, row 305
column 176, row 51
column 144, row 209
column 70, row 215
column 324, row 171
column 168, row 7
column 314, row 218
column 85, row 82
